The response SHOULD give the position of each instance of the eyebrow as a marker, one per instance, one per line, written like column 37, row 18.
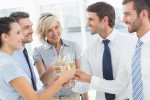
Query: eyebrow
column 126, row 12
column 90, row 18
column 28, row 25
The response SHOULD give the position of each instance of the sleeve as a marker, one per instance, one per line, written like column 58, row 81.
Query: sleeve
column 112, row 86
column 77, row 51
column 12, row 71
column 36, row 55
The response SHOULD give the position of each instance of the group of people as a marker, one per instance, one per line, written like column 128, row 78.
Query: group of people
column 116, row 65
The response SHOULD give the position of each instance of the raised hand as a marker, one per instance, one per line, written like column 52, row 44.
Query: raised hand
column 82, row 76
column 67, row 74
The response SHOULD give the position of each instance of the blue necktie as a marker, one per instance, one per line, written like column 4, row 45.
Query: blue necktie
column 27, row 59
column 136, row 73
column 107, row 67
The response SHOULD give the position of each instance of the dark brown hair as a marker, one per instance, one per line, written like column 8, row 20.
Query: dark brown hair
column 5, row 26
column 103, row 9
column 139, row 5
column 19, row 15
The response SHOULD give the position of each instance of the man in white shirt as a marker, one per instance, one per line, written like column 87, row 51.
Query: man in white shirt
column 101, row 20
column 21, row 56
column 137, row 17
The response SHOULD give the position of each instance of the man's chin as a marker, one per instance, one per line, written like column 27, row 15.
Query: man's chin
column 27, row 41
column 130, row 31
column 93, row 33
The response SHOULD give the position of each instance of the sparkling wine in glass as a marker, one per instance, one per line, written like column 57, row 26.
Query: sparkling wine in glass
column 57, row 70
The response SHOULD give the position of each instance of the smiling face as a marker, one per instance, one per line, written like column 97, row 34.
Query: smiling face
column 96, row 26
column 130, row 17
column 26, row 29
column 15, row 37
column 53, row 35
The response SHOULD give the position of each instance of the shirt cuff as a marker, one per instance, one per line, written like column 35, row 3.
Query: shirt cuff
column 80, row 87
column 94, row 82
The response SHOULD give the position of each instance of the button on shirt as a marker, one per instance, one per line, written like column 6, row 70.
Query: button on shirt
column 92, row 63
column 47, row 54
column 9, row 70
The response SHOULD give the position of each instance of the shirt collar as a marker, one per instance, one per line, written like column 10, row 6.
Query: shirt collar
column 111, row 36
column 48, row 45
column 20, row 50
column 146, row 38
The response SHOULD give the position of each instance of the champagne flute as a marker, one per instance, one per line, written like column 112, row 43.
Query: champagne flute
column 57, row 67
column 59, row 64
column 70, row 63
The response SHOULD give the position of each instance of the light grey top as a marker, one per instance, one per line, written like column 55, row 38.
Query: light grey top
column 18, row 55
column 48, row 54
column 9, row 70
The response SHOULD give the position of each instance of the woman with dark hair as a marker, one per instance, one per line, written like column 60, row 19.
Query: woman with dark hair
column 14, row 83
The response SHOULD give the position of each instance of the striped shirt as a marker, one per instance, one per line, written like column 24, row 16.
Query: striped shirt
column 48, row 54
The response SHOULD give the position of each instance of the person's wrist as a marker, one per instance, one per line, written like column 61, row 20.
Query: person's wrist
column 89, row 77
column 61, row 80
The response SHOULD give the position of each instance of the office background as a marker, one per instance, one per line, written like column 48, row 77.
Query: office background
column 72, row 15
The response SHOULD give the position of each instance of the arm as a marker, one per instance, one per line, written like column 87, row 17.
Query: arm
column 77, row 56
column 29, row 94
column 85, row 96
column 45, row 74
column 110, row 86
column 78, row 63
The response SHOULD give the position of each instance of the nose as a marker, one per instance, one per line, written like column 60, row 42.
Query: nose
column 55, row 32
column 124, row 19
column 31, row 30
column 88, row 23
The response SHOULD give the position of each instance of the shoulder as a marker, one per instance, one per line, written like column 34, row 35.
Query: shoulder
column 124, row 38
column 67, row 42
column 125, row 35
column 92, row 46
column 11, row 66
column 40, row 48
column 71, row 43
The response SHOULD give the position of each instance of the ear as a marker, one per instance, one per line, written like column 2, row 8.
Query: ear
column 144, row 14
column 4, row 37
column 106, row 20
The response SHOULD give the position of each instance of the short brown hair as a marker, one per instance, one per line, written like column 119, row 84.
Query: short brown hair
column 139, row 5
column 103, row 9
column 19, row 15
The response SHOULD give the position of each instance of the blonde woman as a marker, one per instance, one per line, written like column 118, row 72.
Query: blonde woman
column 49, row 31
column 15, row 84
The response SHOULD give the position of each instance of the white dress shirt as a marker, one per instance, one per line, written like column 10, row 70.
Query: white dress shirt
column 124, row 73
column 145, row 65
column 92, row 64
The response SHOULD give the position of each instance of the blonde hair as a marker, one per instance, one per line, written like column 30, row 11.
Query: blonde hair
column 46, row 22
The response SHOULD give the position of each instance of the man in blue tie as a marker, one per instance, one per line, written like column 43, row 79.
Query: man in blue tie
column 101, row 59
column 135, row 60
column 22, row 55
